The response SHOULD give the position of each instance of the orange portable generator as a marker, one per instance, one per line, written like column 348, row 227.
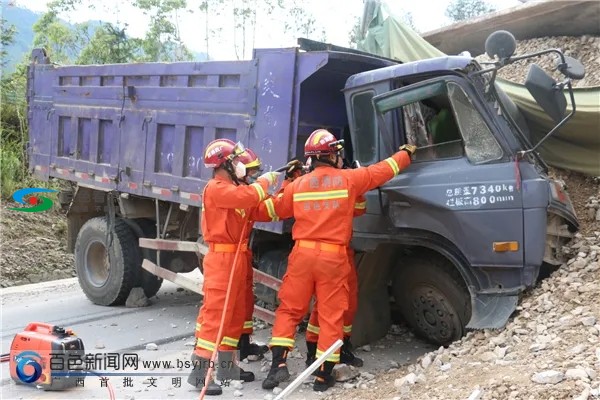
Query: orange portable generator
column 46, row 356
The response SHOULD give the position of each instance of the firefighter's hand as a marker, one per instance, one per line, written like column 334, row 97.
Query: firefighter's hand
column 409, row 148
column 293, row 169
column 270, row 176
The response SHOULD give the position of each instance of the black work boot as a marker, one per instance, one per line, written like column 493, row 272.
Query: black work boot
column 228, row 368
column 311, row 355
column 324, row 379
column 278, row 372
column 196, row 378
column 346, row 355
column 247, row 348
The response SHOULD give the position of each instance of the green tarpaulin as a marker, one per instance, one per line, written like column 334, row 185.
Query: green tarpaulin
column 576, row 146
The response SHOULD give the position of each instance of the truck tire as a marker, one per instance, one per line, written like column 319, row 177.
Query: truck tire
column 103, row 282
column 432, row 297
column 147, row 281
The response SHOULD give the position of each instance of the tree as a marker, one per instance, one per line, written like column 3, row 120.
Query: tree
column 62, row 43
column 355, row 35
column 244, row 20
column 110, row 45
column 162, row 41
column 460, row 10
column 300, row 22
column 7, row 37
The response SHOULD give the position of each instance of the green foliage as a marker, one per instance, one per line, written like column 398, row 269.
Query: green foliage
column 301, row 23
column 13, row 130
column 460, row 10
column 110, row 45
column 7, row 35
column 162, row 41
column 355, row 35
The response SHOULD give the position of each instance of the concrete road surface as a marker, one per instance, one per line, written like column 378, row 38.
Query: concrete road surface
column 109, row 333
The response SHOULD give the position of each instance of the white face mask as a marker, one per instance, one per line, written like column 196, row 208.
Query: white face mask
column 240, row 170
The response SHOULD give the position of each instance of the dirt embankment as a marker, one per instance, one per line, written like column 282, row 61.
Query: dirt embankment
column 33, row 247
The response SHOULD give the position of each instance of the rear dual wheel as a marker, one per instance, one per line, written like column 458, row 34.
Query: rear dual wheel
column 108, row 271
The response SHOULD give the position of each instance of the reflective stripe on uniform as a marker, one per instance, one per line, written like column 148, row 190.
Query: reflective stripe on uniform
column 259, row 190
column 241, row 211
column 335, row 357
column 198, row 326
column 360, row 206
column 313, row 329
column 347, row 328
column 281, row 341
column 394, row 165
column 327, row 195
column 229, row 341
column 271, row 209
column 248, row 325
column 205, row 344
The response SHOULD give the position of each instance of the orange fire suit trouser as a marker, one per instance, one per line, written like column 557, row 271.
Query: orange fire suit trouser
column 249, row 296
column 312, row 331
column 322, row 270
column 217, row 266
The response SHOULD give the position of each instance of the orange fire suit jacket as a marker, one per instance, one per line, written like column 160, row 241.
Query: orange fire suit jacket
column 322, row 201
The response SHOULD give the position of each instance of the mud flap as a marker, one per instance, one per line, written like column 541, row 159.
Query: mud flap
column 491, row 311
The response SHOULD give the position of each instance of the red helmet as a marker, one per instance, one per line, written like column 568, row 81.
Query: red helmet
column 217, row 152
column 250, row 159
column 322, row 142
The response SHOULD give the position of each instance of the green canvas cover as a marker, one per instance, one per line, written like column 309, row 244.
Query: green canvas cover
column 576, row 146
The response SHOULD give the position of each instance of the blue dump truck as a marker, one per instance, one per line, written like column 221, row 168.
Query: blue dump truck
column 448, row 245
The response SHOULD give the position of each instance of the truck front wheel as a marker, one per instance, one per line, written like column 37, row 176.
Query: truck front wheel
column 432, row 297
column 106, row 275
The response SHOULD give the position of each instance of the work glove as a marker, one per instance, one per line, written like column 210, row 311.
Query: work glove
column 271, row 177
column 409, row 148
column 293, row 169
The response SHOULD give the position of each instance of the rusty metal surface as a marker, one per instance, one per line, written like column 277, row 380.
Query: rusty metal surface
column 531, row 20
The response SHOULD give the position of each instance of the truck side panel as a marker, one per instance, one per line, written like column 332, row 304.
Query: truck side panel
column 138, row 128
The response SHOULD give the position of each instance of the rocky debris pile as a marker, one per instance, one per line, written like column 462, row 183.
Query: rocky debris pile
column 550, row 349
column 584, row 48
column 584, row 192
column 33, row 247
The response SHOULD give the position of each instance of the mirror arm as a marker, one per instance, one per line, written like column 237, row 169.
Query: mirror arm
column 561, row 123
column 540, row 53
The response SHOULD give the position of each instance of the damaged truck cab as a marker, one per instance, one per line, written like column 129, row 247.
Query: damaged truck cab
column 473, row 220
column 448, row 244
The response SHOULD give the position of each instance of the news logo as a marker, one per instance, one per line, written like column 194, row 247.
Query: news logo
column 28, row 366
column 39, row 203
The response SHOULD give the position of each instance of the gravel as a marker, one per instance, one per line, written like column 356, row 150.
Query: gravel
column 584, row 48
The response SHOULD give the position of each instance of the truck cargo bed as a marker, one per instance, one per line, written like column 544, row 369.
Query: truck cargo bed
column 141, row 128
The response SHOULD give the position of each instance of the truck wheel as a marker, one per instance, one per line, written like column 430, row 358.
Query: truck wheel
column 432, row 297
column 106, row 281
column 149, row 282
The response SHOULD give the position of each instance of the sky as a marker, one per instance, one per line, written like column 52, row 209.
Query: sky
column 336, row 17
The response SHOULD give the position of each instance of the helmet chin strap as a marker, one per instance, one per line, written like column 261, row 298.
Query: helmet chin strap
column 228, row 166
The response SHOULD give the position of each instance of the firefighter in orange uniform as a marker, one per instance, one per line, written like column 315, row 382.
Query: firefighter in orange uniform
column 245, row 346
column 322, row 203
column 223, row 217
column 312, row 330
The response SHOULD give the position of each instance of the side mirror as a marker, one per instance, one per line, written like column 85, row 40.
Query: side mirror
column 572, row 68
column 546, row 92
column 501, row 44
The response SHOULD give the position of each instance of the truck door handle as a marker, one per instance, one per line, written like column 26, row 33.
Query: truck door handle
column 401, row 204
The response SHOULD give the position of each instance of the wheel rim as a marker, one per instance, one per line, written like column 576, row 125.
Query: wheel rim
column 97, row 266
column 434, row 314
